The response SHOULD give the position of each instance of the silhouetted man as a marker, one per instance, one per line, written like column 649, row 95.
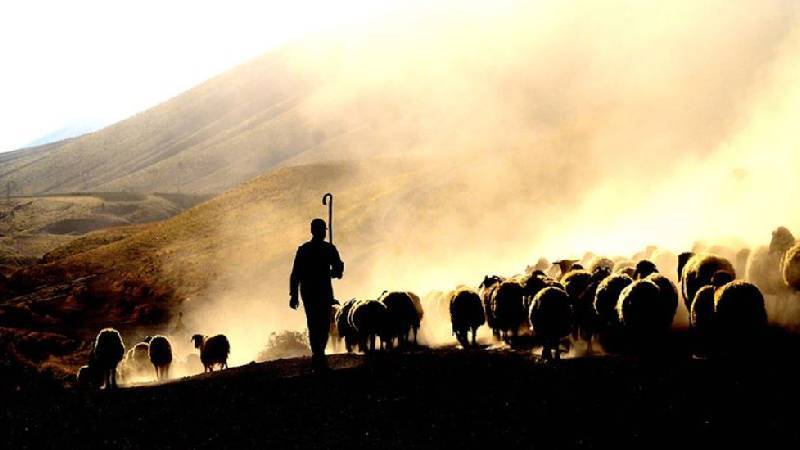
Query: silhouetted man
column 315, row 263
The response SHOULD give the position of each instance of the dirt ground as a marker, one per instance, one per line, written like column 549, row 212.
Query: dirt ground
column 445, row 398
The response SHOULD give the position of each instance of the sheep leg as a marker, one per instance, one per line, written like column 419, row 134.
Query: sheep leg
column 474, row 334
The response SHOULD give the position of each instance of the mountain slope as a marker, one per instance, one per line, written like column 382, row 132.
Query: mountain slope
column 207, row 139
column 477, row 78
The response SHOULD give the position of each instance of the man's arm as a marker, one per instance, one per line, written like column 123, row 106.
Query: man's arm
column 294, row 280
column 337, row 266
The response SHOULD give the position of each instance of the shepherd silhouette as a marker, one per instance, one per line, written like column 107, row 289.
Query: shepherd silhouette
column 315, row 263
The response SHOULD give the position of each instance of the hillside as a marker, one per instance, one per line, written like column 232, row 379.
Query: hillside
column 31, row 227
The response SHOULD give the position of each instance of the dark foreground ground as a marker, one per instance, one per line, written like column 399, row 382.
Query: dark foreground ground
column 443, row 399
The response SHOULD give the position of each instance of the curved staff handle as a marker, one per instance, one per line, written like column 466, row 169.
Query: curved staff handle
column 327, row 199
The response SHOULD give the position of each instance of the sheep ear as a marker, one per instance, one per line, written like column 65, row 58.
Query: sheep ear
column 683, row 258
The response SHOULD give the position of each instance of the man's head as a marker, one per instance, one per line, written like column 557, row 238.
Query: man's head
column 319, row 229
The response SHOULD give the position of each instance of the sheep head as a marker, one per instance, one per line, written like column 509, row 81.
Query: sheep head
column 683, row 258
column 198, row 340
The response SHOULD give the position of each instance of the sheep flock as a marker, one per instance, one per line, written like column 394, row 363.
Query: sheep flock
column 721, row 295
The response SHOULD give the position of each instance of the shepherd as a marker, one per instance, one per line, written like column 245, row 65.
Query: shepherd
column 315, row 263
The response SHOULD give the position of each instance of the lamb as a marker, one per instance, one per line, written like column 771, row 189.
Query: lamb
column 607, row 296
column 696, row 270
column 214, row 350
column 137, row 359
column 106, row 355
column 791, row 267
column 160, row 353
column 466, row 314
column 88, row 378
column 343, row 328
column 369, row 319
column 404, row 315
column 508, row 309
column 550, row 317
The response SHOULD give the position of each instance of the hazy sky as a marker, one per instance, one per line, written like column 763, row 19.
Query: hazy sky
column 69, row 63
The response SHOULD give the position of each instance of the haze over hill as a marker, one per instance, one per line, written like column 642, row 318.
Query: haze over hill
column 468, row 79
column 485, row 138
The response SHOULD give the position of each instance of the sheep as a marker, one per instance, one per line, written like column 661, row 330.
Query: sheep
column 643, row 269
column 403, row 315
column 765, row 264
column 665, row 262
column 508, row 309
column 214, row 350
column 420, row 313
column 106, row 355
column 88, row 378
column 740, row 261
column 160, row 353
column 550, row 317
column 586, row 260
column 668, row 298
column 739, row 311
column 607, row 296
column 535, row 282
column 791, row 267
column 563, row 266
column 782, row 240
column 641, row 311
column 701, row 315
column 343, row 328
column 541, row 264
column 466, row 314
column 696, row 270
column 585, row 319
column 369, row 319
column 599, row 262
column 575, row 284
column 486, row 290
column 137, row 360
column 764, row 270
column 625, row 266
column 333, row 330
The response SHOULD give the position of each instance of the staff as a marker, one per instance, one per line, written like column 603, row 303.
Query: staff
column 327, row 199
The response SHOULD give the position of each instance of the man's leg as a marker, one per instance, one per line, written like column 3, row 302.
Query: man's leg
column 318, row 327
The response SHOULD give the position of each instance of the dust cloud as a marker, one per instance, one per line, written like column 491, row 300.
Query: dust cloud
column 484, row 136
